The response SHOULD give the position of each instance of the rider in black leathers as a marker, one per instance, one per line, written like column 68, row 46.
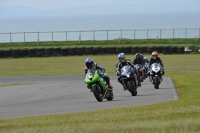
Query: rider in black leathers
column 122, row 62
column 156, row 59
column 139, row 60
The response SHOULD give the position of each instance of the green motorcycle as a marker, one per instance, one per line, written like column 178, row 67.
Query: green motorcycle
column 98, row 86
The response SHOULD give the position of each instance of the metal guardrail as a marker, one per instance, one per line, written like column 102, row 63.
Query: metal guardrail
column 99, row 35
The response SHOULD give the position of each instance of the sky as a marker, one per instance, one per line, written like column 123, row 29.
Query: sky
column 34, row 7
column 53, row 4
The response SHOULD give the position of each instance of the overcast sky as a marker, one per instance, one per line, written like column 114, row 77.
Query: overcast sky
column 53, row 4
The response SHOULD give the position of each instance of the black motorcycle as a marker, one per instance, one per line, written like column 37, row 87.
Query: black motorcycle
column 139, row 71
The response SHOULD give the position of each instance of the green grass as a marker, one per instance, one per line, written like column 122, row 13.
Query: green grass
column 180, row 116
column 124, row 42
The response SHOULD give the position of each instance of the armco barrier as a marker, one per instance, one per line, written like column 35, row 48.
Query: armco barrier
column 47, row 52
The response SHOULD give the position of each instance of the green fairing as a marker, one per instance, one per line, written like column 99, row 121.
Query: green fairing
column 96, row 79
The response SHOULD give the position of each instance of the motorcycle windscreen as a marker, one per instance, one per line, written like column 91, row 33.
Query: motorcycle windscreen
column 127, row 70
column 91, row 76
column 138, row 66
column 155, row 67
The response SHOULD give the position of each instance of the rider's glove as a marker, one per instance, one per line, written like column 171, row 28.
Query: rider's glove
column 118, row 73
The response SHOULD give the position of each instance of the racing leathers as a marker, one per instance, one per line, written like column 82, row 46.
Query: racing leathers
column 159, row 61
column 120, row 65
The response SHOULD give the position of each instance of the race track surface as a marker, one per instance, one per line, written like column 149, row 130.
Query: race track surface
column 31, row 96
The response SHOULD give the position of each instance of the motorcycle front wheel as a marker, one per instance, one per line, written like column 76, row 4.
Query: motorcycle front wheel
column 132, row 88
column 157, row 82
column 98, row 93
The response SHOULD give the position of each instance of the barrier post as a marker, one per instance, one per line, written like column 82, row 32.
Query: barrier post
column 10, row 37
column 24, row 37
column 160, row 33
column 94, row 35
column 52, row 36
column 66, row 36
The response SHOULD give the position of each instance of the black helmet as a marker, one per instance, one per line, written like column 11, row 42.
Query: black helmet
column 141, row 56
column 137, row 55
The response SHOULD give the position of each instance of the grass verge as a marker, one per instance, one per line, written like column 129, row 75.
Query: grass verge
column 180, row 116
column 195, row 42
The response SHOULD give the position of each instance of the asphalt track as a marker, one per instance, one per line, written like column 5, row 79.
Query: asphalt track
column 32, row 96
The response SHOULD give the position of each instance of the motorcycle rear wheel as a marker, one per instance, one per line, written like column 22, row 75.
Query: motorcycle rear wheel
column 111, row 96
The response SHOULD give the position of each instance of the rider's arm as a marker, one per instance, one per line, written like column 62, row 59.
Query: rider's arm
column 161, row 62
column 100, row 67
column 118, row 71
column 130, row 63
column 85, row 71
column 150, row 62
column 134, row 61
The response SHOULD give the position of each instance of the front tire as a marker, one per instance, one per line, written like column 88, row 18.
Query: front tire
column 98, row 93
column 131, row 88
column 157, row 82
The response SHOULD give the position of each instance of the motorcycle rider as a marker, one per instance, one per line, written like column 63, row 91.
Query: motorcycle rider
column 90, row 64
column 146, row 60
column 122, row 62
column 139, row 60
column 156, row 59
column 142, row 57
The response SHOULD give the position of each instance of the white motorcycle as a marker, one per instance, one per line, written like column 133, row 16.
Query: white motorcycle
column 155, row 75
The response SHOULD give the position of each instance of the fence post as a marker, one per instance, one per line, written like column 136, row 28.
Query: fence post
column 199, row 32
column 121, row 34
column 107, row 35
column 38, row 36
column 160, row 33
column 52, row 36
column 24, row 37
column 66, row 36
column 134, row 33
column 186, row 33
column 147, row 33
column 10, row 37
column 94, row 35
column 79, row 36
column 173, row 33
